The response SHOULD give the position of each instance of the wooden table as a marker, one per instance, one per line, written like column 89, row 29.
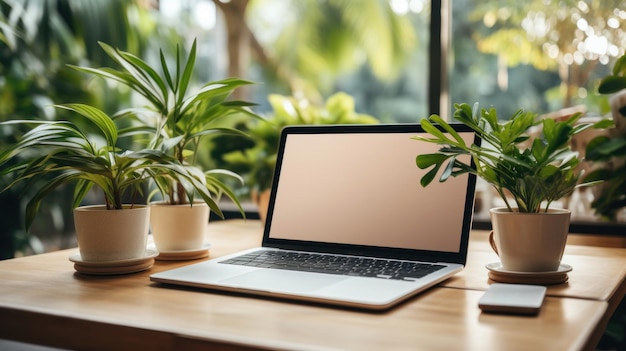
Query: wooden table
column 43, row 301
column 598, row 272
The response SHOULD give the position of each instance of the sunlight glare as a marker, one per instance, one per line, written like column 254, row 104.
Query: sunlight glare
column 204, row 15
column 417, row 6
column 579, row 58
column 553, row 51
column 489, row 19
column 596, row 45
column 568, row 59
column 170, row 8
column 400, row 7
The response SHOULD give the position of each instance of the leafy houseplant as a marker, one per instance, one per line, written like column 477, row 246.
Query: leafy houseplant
column 541, row 173
column 179, row 119
column 54, row 153
column 528, row 236
column 610, row 150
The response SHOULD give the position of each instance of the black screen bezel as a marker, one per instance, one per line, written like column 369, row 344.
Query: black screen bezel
column 459, row 257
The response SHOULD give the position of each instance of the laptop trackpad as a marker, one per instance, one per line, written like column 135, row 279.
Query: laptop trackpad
column 282, row 280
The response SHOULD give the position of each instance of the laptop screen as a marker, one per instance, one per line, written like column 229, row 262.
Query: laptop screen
column 359, row 186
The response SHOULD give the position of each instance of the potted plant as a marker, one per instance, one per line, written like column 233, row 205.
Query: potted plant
column 179, row 119
column 256, row 158
column 54, row 153
column 528, row 234
column 609, row 150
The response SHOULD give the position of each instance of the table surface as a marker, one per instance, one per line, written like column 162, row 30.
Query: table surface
column 43, row 301
column 595, row 274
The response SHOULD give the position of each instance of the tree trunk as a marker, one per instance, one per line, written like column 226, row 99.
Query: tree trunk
column 238, row 40
column 242, row 44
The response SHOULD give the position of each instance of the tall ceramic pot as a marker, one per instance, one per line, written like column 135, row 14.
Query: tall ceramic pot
column 179, row 227
column 529, row 242
column 111, row 235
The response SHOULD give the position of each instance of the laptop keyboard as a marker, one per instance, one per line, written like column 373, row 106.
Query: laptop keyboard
column 335, row 264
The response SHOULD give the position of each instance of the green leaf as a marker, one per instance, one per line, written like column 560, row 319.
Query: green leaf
column 447, row 171
column 429, row 176
column 166, row 72
column 147, row 74
column 428, row 126
column 612, row 84
column 620, row 66
column 602, row 148
column 427, row 160
column 187, row 73
column 82, row 189
column 100, row 119
column 604, row 124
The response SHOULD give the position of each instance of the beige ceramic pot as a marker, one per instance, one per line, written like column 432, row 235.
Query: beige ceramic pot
column 262, row 200
column 111, row 235
column 179, row 227
column 529, row 242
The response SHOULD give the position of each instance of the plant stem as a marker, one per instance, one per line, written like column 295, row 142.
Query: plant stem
column 180, row 198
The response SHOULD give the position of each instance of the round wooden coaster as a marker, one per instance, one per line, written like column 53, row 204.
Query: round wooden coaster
column 535, row 280
column 183, row 255
column 499, row 274
column 114, row 270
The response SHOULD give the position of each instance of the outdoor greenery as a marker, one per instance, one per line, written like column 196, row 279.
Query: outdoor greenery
column 318, row 41
column 535, row 175
column 374, row 51
column 610, row 151
column 543, row 55
column 38, row 39
column 255, row 158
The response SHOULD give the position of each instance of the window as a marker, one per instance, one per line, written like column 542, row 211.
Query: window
column 539, row 55
column 402, row 60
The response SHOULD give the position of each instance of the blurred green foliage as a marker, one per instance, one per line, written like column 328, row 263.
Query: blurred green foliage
column 38, row 39
column 255, row 158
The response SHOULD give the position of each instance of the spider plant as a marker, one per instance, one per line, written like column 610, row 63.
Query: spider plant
column 53, row 153
column 180, row 119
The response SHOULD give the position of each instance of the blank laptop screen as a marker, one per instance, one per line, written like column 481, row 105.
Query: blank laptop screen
column 364, row 189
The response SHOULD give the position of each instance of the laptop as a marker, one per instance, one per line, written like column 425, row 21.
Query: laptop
column 346, row 196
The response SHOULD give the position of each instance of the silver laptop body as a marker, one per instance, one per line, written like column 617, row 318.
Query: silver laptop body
column 351, row 191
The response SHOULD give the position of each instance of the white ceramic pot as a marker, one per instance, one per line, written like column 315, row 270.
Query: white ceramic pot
column 179, row 227
column 529, row 242
column 111, row 235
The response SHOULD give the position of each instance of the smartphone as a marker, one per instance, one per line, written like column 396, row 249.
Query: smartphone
column 513, row 298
